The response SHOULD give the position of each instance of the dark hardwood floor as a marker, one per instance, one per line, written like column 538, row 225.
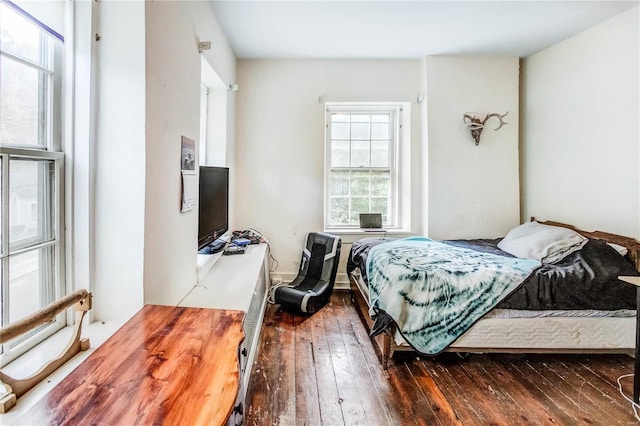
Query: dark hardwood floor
column 323, row 370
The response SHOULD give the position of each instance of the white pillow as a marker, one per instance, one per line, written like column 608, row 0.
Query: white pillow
column 544, row 243
column 622, row 250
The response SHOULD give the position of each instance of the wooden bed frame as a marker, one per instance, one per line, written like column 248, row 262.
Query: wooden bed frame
column 385, row 345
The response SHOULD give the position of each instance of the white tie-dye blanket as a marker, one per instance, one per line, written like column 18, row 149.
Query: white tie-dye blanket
column 434, row 291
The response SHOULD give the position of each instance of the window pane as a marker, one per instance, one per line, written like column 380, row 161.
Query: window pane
column 339, row 183
column 380, row 131
column 358, row 205
column 31, row 211
column 2, row 218
column 380, row 154
column 30, row 282
column 380, row 184
column 22, row 38
column 360, row 183
column 359, row 153
column 340, row 130
column 22, row 103
column 4, row 304
column 380, row 205
column 339, row 153
column 339, row 211
column 360, row 131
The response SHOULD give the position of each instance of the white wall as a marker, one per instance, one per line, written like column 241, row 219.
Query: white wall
column 473, row 191
column 280, row 140
column 580, row 136
column 119, row 161
column 51, row 12
column 172, row 110
column 80, row 152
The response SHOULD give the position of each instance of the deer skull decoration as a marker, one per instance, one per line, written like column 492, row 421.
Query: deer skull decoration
column 476, row 125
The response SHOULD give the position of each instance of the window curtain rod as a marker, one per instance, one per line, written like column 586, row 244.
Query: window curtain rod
column 33, row 19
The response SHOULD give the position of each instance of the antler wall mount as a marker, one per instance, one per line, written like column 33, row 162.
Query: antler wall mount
column 476, row 122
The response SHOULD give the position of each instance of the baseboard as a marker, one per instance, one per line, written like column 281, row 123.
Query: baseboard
column 342, row 280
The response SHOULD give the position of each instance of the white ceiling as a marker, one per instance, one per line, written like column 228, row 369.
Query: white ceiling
column 404, row 29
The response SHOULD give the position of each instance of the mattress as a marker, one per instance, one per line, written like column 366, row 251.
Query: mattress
column 586, row 279
column 517, row 330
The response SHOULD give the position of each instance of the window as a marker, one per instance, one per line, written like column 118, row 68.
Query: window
column 31, row 252
column 204, row 98
column 362, row 172
column 213, row 117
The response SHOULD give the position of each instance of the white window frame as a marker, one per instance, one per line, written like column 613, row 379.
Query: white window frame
column 204, row 118
column 49, row 148
column 394, row 221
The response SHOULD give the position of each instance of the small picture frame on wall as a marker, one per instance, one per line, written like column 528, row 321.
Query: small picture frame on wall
column 188, row 154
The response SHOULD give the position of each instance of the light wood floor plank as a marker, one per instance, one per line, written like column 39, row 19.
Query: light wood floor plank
column 328, row 398
column 306, row 387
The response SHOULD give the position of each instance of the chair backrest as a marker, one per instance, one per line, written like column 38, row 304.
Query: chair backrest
column 320, row 257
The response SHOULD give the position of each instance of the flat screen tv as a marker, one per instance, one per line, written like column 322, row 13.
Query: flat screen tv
column 213, row 205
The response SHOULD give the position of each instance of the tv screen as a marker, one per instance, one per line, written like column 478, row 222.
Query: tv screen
column 213, row 209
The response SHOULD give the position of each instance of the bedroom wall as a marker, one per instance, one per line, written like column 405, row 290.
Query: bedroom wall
column 473, row 190
column 280, row 141
column 173, row 110
column 580, row 133
column 118, row 163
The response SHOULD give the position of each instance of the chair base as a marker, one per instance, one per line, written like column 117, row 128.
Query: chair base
column 304, row 296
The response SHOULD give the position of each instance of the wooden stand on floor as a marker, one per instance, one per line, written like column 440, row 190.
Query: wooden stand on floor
column 167, row 365
column 636, row 371
column 15, row 388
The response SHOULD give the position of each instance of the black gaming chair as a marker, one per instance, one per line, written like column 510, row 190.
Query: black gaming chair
column 313, row 286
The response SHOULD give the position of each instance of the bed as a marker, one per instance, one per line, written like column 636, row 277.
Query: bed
column 540, row 314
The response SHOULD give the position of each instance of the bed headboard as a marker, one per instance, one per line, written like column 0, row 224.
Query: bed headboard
column 631, row 244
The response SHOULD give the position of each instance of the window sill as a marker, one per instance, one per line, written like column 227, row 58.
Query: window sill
column 97, row 332
column 351, row 235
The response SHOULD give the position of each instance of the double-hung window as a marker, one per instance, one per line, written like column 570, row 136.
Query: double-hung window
column 31, row 173
column 361, row 175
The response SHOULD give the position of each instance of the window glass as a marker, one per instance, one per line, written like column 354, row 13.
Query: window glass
column 339, row 210
column 360, row 131
column 360, row 184
column 340, row 130
column 30, row 283
column 22, row 38
column 380, row 131
column 380, row 154
column 339, row 183
column 360, row 153
column 30, row 196
column 340, row 153
column 381, row 205
column 358, row 205
column 380, row 184
column 23, row 104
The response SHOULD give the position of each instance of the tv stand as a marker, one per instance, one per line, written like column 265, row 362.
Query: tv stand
column 237, row 283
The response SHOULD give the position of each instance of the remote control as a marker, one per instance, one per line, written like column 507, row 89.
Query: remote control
column 234, row 250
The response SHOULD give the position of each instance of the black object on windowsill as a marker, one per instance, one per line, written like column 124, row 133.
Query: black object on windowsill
column 213, row 248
